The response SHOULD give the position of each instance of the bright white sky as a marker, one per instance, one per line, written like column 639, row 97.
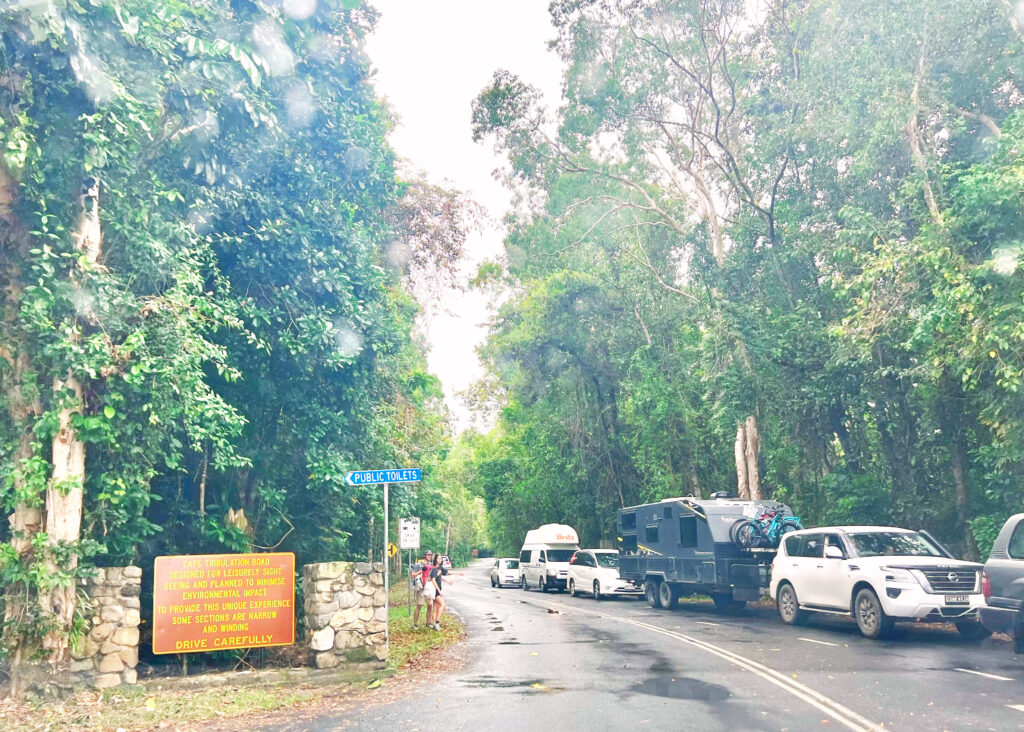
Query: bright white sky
column 432, row 57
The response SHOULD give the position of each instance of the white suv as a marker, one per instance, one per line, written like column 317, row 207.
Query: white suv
column 879, row 575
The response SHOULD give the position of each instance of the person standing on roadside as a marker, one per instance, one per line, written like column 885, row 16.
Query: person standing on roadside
column 432, row 591
column 441, row 604
column 420, row 574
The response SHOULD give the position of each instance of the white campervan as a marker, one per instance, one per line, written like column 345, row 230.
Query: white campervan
column 544, row 559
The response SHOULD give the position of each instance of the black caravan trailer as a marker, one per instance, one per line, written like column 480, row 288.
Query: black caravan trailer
column 681, row 546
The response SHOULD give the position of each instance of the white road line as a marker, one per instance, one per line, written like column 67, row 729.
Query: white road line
column 845, row 716
column 705, row 622
column 982, row 673
column 820, row 643
column 1018, row 707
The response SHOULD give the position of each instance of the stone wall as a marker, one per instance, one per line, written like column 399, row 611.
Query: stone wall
column 109, row 651
column 345, row 612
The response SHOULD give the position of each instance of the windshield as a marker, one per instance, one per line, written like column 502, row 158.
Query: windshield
column 893, row 543
column 608, row 560
column 511, row 564
column 560, row 555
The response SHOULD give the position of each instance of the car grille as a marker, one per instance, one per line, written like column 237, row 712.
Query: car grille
column 951, row 581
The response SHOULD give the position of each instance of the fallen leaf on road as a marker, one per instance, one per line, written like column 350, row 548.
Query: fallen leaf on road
column 538, row 686
column 535, row 653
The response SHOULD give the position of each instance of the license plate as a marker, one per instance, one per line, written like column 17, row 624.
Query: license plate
column 957, row 600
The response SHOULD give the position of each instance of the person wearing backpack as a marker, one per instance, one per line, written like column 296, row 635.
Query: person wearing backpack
column 424, row 589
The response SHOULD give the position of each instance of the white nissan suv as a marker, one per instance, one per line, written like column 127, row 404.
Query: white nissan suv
column 879, row 575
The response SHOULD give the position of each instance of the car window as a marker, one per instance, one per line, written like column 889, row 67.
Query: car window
column 524, row 557
column 1016, row 546
column 892, row 543
column 511, row 564
column 560, row 555
column 812, row 546
column 792, row 544
column 610, row 561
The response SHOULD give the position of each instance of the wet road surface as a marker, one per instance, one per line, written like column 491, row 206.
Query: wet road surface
column 546, row 661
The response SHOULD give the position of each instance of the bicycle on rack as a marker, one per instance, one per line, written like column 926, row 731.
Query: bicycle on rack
column 765, row 531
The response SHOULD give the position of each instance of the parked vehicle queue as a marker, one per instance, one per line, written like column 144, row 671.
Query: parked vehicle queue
column 879, row 576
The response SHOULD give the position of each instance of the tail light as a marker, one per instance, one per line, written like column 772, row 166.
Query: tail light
column 986, row 586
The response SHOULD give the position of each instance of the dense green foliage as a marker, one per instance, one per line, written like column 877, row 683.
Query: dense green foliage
column 244, row 337
column 810, row 212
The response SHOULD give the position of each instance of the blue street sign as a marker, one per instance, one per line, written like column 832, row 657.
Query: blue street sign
column 374, row 477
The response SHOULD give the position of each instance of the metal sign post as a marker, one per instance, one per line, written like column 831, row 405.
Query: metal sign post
column 409, row 538
column 385, row 478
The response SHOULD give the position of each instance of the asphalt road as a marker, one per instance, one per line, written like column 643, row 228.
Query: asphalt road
column 546, row 661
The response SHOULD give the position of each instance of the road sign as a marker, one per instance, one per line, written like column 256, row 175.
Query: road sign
column 409, row 533
column 375, row 477
column 392, row 549
column 386, row 478
column 216, row 602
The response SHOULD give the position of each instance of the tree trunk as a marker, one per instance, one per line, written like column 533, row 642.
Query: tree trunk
column 27, row 519
column 913, row 129
column 15, row 239
column 64, row 513
column 739, row 447
column 747, row 450
column 752, row 453
column 695, row 488
column 23, row 408
column 963, row 497
column 202, row 481
column 65, row 492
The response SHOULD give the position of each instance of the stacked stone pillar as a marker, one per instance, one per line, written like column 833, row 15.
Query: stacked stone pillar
column 345, row 612
column 108, row 653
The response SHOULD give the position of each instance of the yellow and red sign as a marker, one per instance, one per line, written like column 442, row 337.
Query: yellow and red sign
column 216, row 602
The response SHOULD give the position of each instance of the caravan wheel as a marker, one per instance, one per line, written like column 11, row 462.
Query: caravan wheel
column 668, row 596
column 651, row 592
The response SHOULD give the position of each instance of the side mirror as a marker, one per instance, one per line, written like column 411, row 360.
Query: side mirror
column 834, row 552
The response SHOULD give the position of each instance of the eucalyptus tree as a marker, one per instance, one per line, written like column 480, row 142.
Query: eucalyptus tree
column 798, row 225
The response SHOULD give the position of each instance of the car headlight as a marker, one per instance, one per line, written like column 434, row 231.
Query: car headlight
column 897, row 574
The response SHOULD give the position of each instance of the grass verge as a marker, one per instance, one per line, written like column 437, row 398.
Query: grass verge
column 141, row 708
column 407, row 643
column 134, row 708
